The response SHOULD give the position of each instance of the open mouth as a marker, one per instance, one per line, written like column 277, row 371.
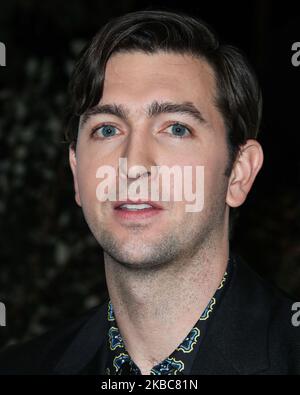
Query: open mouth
column 136, row 211
column 135, row 207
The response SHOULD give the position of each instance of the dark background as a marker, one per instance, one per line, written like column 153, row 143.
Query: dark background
column 51, row 268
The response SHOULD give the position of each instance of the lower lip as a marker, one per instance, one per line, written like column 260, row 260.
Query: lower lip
column 137, row 215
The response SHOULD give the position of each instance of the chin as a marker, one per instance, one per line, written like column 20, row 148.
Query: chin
column 142, row 266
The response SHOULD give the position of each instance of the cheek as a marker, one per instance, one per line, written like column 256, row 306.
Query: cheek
column 215, row 181
column 214, row 162
column 87, row 181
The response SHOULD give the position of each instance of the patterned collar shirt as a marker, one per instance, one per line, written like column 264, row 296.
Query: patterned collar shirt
column 181, row 360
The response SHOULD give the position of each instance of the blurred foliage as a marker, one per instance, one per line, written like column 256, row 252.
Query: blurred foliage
column 48, row 265
column 267, row 235
column 51, row 268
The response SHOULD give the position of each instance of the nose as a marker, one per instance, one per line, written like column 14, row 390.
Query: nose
column 140, row 155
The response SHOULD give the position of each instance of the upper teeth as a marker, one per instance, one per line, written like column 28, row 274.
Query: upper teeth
column 135, row 206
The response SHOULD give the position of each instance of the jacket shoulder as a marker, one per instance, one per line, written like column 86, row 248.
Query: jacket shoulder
column 252, row 331
column 40, row 355
column 273, row 307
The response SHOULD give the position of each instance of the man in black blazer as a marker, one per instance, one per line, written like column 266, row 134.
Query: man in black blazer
column 159, row 107
column 251, row 334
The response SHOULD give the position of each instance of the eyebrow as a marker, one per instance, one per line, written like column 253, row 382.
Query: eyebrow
column 154, row 109
column 113, row 109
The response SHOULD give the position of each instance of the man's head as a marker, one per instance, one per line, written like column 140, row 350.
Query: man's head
column 170, row 94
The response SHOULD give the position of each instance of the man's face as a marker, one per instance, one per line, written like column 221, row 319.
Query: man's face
column 134, row 81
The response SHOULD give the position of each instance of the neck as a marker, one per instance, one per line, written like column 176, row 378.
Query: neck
column 156, row 309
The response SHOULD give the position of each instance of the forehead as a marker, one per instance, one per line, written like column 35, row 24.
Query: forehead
column 136, row 77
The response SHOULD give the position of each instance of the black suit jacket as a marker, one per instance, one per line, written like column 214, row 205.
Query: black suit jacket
column 251, row 333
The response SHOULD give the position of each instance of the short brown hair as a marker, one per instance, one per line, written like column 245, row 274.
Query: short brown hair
column 238, row 95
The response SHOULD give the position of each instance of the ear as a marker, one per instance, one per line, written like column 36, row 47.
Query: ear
column 73, row 165
column 247, row 165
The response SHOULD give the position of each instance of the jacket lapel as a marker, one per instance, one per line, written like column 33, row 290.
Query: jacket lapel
column 235, row 343
column 237, row 337
column 81, row 355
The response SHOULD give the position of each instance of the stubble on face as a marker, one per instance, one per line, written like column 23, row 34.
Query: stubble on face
column 181, row 242
column 186, row 234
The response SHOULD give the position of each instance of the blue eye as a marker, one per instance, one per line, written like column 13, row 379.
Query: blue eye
column 179, row 130
column 106, row 131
